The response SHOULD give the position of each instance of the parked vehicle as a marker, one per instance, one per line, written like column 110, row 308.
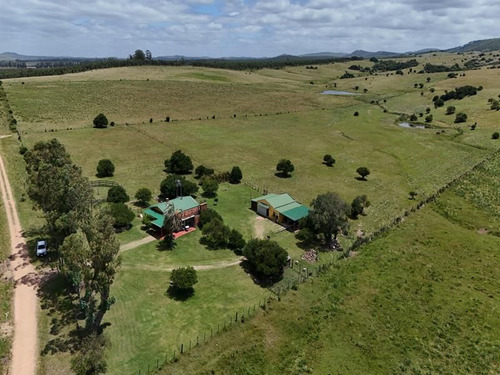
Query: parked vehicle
column 41, row 248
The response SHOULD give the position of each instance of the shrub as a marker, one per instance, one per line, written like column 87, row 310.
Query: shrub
column 215, row 235
column 23, row 149
column 461, row 117
column 356, row 114
column 358, row 205
column 413, row 117
column 169, row 187
column 209, row 186
column 285, row 167
column 450, row 110
column 428, row 118
column 122, row 214
column 201, row 171
column 495, row 135
column 328, row 160
column 207, row 215
column 105, row 168
column 363, row 172
column 183, row 278
column 235, row 175
column 235, row 240
column 266, row 258
column 179, row 163
column 117, row 194
column 100, row 121
column 143, row 195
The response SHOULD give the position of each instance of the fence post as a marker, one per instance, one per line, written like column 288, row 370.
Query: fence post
column 182, row 348
column 236, row 318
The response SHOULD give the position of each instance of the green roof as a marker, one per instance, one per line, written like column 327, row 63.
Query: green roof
column 288, row 206
column 180, row 204
column 280, row 200
column 296, row 213
column 264, row 197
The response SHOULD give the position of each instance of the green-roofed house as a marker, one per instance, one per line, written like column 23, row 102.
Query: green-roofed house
column 280, row 208
column 187, row 208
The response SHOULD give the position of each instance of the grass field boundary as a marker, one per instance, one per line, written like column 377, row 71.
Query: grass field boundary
column 431, row 198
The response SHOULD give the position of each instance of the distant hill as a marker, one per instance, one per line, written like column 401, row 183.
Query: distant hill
column 478, row 45
column 325, row 54
column 378, row 54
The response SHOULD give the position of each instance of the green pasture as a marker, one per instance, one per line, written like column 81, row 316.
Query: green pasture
column 371, row 313
column 419, row 300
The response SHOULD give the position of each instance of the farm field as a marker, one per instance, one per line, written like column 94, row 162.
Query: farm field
column 419, row 299
column 280, row 114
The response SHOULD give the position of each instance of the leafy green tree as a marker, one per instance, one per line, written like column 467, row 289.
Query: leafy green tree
column 91, row 359
column 58, row 188
column 171, row 224
column 207, row 216
column 105, row 168
column 495, row 105
column 328, row 160
column 215, row 235
column 428, row 118
column 450, row 110
column 170, row 188
column 201, row 171
column 235, row 175
column 266, row 258
column 427, row 110
column 495, row 135
column 100, row 121
column 236, row 240
column 179, row 163
column 94, row 259
column 439, row 103
column 183, row 278
column 358, row 205
column 413, row 117
column 285, row 167
column 122, row 214
column 143, row 196
column 117, row 194
column 209, row 186
column 329, row 215
column 363, row 172
column 461, row 117
column 138, row 55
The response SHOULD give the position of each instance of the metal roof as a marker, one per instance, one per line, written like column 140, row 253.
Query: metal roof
column 280, row 200
column 264, row 197
column 296, row 213
column 180, row 204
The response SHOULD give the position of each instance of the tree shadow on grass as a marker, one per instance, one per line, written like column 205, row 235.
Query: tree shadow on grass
column 282, row 175
column 360, row 178
column 179, row 294
column 260, row 280
column 61, row 308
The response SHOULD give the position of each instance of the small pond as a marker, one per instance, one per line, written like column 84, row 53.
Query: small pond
column 334, row 92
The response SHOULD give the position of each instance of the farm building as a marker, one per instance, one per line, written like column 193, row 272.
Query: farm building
column 280, row 208
column 186, row 208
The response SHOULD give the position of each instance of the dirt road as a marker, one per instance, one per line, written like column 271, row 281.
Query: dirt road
column 24, row 348
column 134, row 244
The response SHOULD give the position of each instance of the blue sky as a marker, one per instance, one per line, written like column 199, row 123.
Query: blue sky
column 100, row 28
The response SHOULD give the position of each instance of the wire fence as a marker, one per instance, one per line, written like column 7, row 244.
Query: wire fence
column 297, row 272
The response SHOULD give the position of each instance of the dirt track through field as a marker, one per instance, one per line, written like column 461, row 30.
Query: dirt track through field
column 203, row 267
column 134, row 244
column 24, row 352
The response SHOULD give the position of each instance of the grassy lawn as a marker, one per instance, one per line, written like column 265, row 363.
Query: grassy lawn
column 146, row 324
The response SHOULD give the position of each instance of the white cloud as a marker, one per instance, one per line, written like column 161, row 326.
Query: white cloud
column 238, row 27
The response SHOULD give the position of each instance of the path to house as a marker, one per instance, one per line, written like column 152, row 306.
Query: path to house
column 259, row 227
column 203, row 267
column 24, row 353
column 134, row 244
